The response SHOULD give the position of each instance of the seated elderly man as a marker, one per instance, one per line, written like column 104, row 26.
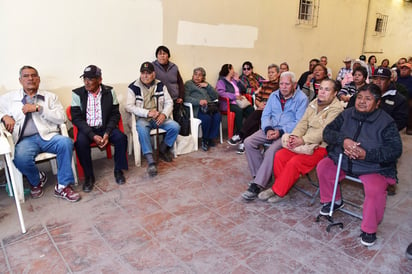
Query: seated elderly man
column 392, row 102
column 151, row 104
column 33, row 117
column 282, row 112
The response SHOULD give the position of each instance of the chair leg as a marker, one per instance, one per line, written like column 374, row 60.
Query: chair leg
column 17, row 196
column 53, row 163
column 230, row 124
column 109, row 151
column 221, row 133
column 80, row 171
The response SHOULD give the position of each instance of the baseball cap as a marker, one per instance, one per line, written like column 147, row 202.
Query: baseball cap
column 147, row 66
column 382, row 72
column 91, row 71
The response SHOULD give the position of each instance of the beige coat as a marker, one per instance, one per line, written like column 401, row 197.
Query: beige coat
column 311, row 126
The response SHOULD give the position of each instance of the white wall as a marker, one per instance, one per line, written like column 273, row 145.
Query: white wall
column 60, row 38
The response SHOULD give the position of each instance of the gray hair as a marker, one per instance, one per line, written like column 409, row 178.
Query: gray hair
column 274, row 66
column 27, row 67
column 202, row 70
column 289, row 74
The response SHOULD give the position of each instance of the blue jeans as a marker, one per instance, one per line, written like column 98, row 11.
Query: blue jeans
column 143, row 128
column 210, row 124
column 29, row 147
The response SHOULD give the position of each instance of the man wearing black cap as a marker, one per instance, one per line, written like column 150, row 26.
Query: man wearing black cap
column 149, row 100
column 392, row 101
column 95, row 112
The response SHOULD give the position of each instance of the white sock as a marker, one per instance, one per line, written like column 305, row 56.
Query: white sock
column 60, row 187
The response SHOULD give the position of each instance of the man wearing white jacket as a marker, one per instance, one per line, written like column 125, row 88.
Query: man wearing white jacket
column 33, row 117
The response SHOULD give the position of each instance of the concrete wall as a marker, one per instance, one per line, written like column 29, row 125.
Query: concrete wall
column 61, row 37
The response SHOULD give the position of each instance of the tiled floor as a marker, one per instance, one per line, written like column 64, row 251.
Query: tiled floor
column 191, row 219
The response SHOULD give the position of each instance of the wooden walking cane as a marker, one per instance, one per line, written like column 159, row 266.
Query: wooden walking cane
column 157, row 129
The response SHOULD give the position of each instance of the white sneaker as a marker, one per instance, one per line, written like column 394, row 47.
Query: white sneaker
column 234, row 140
column 241, row 149
column 264, row 195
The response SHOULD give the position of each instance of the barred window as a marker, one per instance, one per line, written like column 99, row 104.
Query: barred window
column 308, row 12
column 381, row 23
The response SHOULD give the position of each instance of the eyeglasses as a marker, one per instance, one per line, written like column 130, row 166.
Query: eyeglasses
column 246, row 68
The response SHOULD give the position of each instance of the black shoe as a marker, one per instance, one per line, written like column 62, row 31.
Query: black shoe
column 164, row 152
column 152, row 170
column 118, row 174
column 409, row 252
column 326, row 208
column 252, row 192
column 211, row 143
column 205, row 147
column 391, row 189
column 167, row 157
column 88, row 183
column 368, row 239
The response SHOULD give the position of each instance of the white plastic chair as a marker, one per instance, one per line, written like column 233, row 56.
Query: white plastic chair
column 134, row 143
column 5, row 149
column 39, row 158
column 195, row 123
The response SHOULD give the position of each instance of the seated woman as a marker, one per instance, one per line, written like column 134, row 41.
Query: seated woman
column 371, row 145
column 229, row 86
column 252, row 123
column 288, row 165
column 359, row 79
column 311, row 87
column 204, row 99
column 250, row 79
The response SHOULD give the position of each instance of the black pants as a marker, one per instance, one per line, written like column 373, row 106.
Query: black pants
column 251, row 125
column 83, row 150
column 240, row 114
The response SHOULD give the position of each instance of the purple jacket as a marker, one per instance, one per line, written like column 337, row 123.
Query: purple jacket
column 226, row 90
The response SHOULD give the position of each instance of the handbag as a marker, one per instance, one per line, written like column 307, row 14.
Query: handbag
column 307, row 149
column 243, row 102
column 211, row 108
column 181, row 116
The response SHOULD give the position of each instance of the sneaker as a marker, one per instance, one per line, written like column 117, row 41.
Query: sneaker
column 205, row 147
column 409, row 252
column 234, row 140
column 368, row 239
column 43, row 178
column 251, row 193
column 241, row 149
column 326, row 208
column 66, row 193
column 264, row 195
column 36, row 191
column 152, row 170
column 276, row 199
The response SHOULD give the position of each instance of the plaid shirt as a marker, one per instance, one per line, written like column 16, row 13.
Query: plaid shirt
column 94, row 109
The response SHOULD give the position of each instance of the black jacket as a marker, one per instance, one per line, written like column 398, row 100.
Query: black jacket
column 110, row 110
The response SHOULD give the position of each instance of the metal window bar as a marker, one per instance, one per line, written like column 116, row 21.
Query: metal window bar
column 308, row 12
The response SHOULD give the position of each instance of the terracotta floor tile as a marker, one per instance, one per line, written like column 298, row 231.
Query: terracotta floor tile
column 39, row 255
column 191, row 218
